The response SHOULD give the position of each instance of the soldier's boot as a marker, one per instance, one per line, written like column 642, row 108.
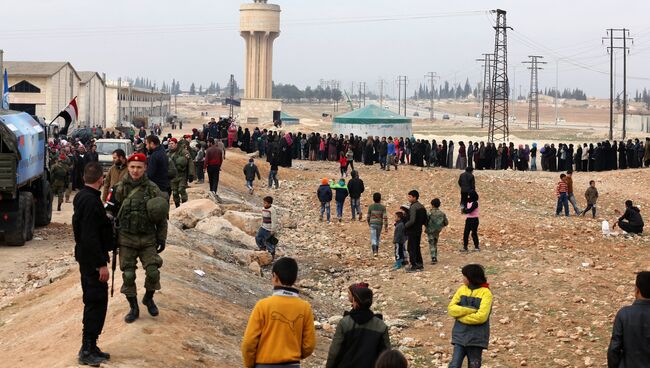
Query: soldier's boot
column 148, row 301
column 58, row 207
column 99, row 352
column 134, row 313
column 87, row 356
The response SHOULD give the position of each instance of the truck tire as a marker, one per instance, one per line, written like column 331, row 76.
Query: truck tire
column 30, row 215
column 18, row 237
column 44, row 205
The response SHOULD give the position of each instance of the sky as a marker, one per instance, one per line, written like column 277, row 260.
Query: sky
column 344, row 40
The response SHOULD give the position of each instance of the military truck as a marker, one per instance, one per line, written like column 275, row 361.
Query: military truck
column 25, row 194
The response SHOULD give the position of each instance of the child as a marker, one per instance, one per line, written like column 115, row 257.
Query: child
column 436, row 221
column 377, row 216
column 471, row 221
column 250, row 171
column 591, row 195
column 562, row 192
column 399, row 238
column 341, row 193
column 361, row 335
column 268, row 228
column 392, row 359
column 273, row 171
column 471, row 307
column 343, row 161
column 280, row 330
column 324, row 194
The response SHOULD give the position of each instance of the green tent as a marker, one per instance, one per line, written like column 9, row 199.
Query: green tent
column 371, row 114
column 288, row 119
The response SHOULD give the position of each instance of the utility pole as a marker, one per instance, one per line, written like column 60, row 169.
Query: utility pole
column 557, row 79
column 500, row 86
column 402, row 79
column 431, row 76
column 119, row 102
column 533, row 95
column 625, row 36
column 487, row 80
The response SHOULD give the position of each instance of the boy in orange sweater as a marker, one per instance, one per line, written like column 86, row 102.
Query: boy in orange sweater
column 280, row 330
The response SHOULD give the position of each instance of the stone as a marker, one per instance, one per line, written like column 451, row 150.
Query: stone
column 255, row 267
column 190, row 213
column 263, row 258
column 334, row 320
column 244, row 221
column 221, row 228
column 175, row 235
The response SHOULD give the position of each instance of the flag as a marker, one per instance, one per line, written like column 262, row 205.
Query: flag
column 69, row 114
column 5, row 93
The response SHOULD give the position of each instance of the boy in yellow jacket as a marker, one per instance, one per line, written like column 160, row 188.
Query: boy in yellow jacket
column 471, row 307
column 280, row 330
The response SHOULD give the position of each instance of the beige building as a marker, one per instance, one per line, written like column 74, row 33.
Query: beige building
column 41, row 88
column 130, row 103
column 92, row 100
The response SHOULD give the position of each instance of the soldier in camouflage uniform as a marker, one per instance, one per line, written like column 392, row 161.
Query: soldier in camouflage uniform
column 142, row 212
column 58, row 176
column 185, row 171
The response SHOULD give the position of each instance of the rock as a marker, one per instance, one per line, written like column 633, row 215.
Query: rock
column 504, row 321
column 559, row 270
column 263, row 258
column 190, row 213
column 396, row 323
column 410, row 342
column 561, row 362
column 334, row 320
column 194, row 193
column 175, row 235
column 244, row 221
column 221, row 228
column 255, row 267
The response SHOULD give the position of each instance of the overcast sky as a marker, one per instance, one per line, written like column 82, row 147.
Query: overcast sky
column 198, row 40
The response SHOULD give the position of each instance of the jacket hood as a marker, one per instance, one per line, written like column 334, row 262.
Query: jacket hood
column 362, row 316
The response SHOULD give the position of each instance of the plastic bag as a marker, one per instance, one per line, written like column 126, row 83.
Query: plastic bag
column 606, row 227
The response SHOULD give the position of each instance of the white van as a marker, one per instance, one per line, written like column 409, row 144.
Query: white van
column 105, row 148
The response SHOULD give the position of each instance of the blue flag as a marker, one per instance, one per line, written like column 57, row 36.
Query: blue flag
column 5, row 93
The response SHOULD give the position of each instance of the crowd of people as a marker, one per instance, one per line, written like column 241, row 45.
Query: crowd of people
column 164, row 167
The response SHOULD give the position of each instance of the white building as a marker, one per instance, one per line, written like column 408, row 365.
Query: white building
column 92, row 100
column 131, row 103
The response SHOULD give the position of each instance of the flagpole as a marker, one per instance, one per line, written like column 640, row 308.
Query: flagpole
column 2, row 83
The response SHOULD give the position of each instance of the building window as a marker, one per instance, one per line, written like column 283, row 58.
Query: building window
column 24, row 87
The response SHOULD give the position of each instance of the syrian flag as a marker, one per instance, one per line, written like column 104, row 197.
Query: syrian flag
column 69, row 114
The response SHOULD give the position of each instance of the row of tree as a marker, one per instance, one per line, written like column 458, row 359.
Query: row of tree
column 445, row 91
column 291, row 93
column 574, row 94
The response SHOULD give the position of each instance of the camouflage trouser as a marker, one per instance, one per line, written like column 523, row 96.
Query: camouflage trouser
column 433, row 243
column 58, row 190
column 68, row 192
column 151, row 262
column 178, row 190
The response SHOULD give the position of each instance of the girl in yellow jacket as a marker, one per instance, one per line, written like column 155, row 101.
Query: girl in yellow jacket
column 471, row 307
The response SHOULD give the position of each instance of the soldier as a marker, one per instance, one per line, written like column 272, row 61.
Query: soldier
column 141, row 217
column 184, row 171
column 58, row 176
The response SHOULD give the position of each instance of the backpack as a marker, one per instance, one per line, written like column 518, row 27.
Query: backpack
column 172, row 171
column 435, row 222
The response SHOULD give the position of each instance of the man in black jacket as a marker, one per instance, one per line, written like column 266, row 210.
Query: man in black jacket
column 631, row 221
column 93, row 239
column 629, row 345
column 158, row 164
column 417, row 219
column 355, row 189
column 467, row 184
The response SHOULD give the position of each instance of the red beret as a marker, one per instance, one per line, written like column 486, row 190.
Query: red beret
column 173, row 140
column 187, row 136
column 137, row 157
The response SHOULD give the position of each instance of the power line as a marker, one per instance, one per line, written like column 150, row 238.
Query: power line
column 533, row 96
column 500, row 86
column 625, row 36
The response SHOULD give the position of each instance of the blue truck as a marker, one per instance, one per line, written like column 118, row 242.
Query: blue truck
column 25, row 193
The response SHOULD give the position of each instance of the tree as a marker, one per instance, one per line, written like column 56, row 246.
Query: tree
column 192, row 89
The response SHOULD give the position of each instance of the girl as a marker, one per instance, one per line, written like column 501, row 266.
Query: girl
column 471, row 307
column 471, row 221
column 343, row 162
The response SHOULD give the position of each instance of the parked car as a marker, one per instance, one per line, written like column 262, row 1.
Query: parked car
column 445, row 117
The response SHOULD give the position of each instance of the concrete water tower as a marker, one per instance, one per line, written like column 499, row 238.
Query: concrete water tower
column 259, row 26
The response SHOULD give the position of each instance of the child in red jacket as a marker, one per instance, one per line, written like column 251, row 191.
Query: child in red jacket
column 343, row 161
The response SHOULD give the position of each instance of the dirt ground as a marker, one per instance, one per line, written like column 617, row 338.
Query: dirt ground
column 557, row 282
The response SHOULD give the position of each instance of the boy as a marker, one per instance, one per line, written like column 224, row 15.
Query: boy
column 561, row 190
column 436, row 221
column 341, row 193
column 268, row 228
column 399, row 238
column 324, row 194
column 377, row 217
column 343, row 162
column 250, row 171
column 591, row 195
column 629, row 344
column 280, row 330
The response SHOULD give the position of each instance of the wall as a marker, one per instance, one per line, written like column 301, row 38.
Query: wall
column 61, row 88
column 258, row 110
column 92, row 103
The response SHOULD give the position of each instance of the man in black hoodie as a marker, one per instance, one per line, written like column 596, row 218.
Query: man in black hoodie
column 361, row 335
column 355, row 189
column 158, row 164
column 93, row 239
column 417, row 219
column 631, row 221
column 467, row 183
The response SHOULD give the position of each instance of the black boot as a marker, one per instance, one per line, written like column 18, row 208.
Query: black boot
column 58, row 208
column 134, row 313
column 99, row 352
column 148, row 301
column 87, row 356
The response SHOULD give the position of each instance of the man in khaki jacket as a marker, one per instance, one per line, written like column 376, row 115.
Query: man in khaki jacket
column 116, row 172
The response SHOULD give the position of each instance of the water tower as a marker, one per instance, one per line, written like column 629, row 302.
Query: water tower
column 259, row 26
